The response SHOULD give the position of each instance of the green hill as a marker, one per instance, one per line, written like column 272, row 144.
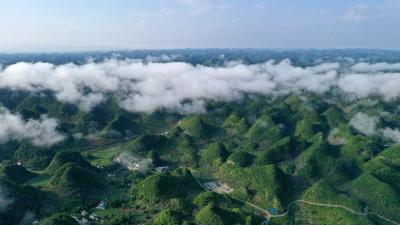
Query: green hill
column 72, row 179
column 241, row 158
column 263, row 132
column 162, row 186
column 197, row 127
column 62, row 158
column 269, row 185
column 19, row 200
column 278, row 152
column 33, row 157
column 380, row 197
column 316, row 161
column 147, row 142
column 234, row 124
column 334, row 117
column 214, row 155
column 123, row 125
column 167, row 217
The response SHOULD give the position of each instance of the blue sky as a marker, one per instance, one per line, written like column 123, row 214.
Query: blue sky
column 73, row 25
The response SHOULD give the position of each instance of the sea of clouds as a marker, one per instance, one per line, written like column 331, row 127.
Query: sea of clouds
column 145, row 86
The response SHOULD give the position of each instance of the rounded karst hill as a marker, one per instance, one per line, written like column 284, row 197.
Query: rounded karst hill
column 72, row 179
column 32, row 157
column 61, row 158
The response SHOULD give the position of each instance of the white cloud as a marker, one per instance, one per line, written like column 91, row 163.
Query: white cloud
column 368, row 125
column 364, row 123
column 40, row 132
column 379, row 84
column 145, row 87
column 392, row 134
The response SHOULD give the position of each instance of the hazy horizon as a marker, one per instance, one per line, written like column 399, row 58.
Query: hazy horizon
column 162, row 50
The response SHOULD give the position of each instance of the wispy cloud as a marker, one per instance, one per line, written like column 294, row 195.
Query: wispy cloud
column 357, row 13
column 367, row 125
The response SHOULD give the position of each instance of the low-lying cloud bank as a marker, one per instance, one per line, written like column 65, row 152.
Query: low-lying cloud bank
column 40, row 132
column 146, row 87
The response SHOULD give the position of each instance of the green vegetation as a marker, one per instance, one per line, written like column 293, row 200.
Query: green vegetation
column 324, row 192
column 263, row 132
column 278, row 152
column 209, row 216
column 147, row 142
column 334, row 117
column 162, row 186
column 62, row 158
column 261, row 150
column 167, row 217
column 197, row 127
column 270, row 186
column 214, row 154
column 241, row 158
column 72, row 179
column 205, row 198
column 33, row 157
column 17, row 173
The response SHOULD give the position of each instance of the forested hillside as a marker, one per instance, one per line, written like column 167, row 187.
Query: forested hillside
column 248, row 140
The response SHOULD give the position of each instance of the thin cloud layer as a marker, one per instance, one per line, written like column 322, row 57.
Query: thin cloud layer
column 40, row 132
column 147, row 86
